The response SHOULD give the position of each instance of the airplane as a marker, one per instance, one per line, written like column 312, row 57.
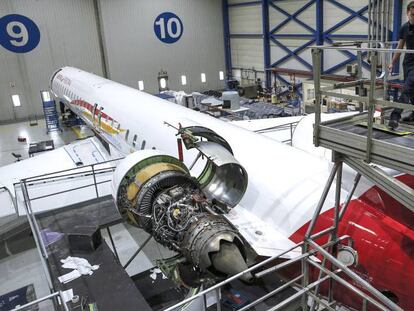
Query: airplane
column 195, row 168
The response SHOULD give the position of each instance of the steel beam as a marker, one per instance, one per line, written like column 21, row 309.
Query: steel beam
column 397, row 18
column 250, row 3
column 395, row 188
column 266, row 43
column 101, row 39
column 292, row 54
column 226, row 37
column 377, row 294
column 292, row 17
column 319, row 35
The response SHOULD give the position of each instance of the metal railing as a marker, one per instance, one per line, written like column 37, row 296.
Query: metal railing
column 37, row 301
column 306, row 285
column 25, row 184
column 12, row 198
column 291, row 126
column 378, row 300
column 302, row 283
column 387, row 183
column 370, row 100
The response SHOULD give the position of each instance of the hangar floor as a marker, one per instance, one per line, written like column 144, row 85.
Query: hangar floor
column 20, row 263
column 10, row 132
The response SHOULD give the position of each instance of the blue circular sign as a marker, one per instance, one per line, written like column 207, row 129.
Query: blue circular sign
column 18, row 33
column 168, row 27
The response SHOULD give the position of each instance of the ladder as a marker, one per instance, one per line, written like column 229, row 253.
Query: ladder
column 51, row 116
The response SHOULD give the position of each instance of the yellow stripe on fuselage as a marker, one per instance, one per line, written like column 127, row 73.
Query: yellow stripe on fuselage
column 104, row 126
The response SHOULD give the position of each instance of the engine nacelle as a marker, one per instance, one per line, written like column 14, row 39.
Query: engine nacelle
column 157, row 193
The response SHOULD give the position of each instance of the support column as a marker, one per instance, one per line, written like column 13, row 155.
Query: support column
column 226, row 37
column 101, row 39
column 397, row 19
column 266, row 43
column 319, row 34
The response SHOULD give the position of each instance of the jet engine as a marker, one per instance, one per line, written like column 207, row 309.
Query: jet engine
column 157, row 193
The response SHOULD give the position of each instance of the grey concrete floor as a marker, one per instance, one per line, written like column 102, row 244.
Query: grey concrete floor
column 24, row 268
column 10, row 132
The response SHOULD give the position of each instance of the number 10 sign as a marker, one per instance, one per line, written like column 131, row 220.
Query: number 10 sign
column 18, row 33
column 168, row 27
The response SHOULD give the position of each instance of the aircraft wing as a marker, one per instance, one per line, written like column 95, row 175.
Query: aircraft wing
column 74, row 157
column 280, row 129
column 263, row 238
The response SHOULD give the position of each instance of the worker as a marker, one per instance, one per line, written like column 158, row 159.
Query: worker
column 406, row 36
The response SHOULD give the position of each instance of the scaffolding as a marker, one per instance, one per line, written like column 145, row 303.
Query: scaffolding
column 363, row 150
column 307, row 288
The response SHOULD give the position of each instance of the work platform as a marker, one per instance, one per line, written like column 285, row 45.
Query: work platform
column 109, row 287
column 389, row 148
column 357, row 140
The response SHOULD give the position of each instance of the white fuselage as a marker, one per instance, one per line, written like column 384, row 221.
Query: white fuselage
column 285, row 184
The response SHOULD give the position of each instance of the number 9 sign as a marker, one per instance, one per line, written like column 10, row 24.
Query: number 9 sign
column 168, row 27
column 18, row 33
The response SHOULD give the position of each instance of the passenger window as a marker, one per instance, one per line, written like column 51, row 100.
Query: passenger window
column 126, row 135
column 134, row 141
column 143, row 145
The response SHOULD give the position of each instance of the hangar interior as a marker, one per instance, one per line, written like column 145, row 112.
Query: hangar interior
column 206, row 155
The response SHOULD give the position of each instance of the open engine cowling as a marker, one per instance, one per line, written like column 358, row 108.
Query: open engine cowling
column 157, row 193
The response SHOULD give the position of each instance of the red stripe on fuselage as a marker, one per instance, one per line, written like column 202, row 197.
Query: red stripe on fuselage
column 89, row 107
column 383, row 235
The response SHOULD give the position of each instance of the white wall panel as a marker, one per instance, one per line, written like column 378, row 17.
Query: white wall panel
column 308, row 16
column 68, row 36
column 332, row 15
column 247, row 53
column 277, row 53
column 275, row 17
column 238, row 1
column 333, row 58
column 245, row 19
column 356, row 27
column 135, row 53
column 404, row 10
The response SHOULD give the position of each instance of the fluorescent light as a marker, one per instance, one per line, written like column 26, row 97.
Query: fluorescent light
column 141, row 85
column 203, row 78
column 46, row 96
column 16, row 100
column 183, row 80
column 163, row 83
